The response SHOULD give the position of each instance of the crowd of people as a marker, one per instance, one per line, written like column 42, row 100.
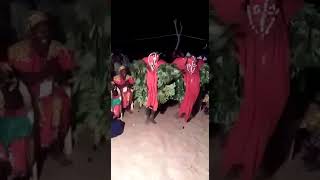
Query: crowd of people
column 123, row 91
column 35, row 100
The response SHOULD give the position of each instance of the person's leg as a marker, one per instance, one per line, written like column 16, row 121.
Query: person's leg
column 153, row 116
column 5, row 166
column 19, row 152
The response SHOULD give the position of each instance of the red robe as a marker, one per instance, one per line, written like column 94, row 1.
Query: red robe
column 152, row 84
column 126, row 96
column 33, row 70
column 265, row 62
column 192, row 85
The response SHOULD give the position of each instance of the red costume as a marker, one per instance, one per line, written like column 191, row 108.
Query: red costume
column 153, row 63
column 126, row 92
column 191, row 76
column 262, row 39
column 55, row 108
column 18, row 148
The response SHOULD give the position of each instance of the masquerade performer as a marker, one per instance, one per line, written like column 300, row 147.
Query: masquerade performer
column 46, row 67
column 190, row 68
column 15, row 126
column 153, row 63
column 261, row 28
column 125, row 83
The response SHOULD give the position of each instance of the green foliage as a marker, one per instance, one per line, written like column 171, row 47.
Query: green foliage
column 305, row 38
column 170, row 82
column 138, row 71
column 205, row 75
column 224, row 74
column 87, row 25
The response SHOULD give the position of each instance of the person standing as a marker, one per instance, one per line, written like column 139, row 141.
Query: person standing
column 125, row 83
column 190, row 68
column 46, row 68
column 15, row 125
column 261, row 28
column 153, row 62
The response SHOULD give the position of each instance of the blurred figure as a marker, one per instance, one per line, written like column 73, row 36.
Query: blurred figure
column 46, row 68
column 125, row 83
column 15, row 126
column 153, row 62
column 190, row 67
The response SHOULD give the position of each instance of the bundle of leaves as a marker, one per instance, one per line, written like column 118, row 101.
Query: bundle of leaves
column 224, row 74
column 205, row 75
column 170, row 82
column 87, row 28
column 305, row 39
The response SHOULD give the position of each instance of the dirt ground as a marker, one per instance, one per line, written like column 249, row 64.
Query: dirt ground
column 157, row 152
column 87, row 163
column 291, row 170
column 163, row 151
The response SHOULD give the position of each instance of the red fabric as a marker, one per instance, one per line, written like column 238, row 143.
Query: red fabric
column 48, row 132
column 266, row 72
column 33, row 71
column 19, row 150
column 126, row 96
column 117, row 111
column 152, row 84
column 192, row 86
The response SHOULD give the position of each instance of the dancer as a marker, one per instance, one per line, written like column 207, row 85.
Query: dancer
column 15, row 126
column 125, row 83
column 46, row 67
column 190, row 68
column 153, row 63
column 261, row 28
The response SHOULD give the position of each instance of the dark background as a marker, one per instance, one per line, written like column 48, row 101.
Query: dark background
column 142, row 19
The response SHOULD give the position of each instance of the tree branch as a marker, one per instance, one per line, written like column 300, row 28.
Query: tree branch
column 177, row 34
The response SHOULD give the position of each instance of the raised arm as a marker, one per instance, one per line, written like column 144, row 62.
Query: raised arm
column 2, row 104
column 26, row 95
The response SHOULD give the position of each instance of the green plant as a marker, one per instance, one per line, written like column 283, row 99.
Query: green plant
column 170, row 82
column 224, row 74
column 87, row 25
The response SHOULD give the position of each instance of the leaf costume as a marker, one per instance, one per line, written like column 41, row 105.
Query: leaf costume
column 191, row 75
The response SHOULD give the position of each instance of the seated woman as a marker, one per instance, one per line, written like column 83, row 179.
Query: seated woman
column 125, row 83
column 15, row 126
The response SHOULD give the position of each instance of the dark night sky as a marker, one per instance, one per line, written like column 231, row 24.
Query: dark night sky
column 141, row 19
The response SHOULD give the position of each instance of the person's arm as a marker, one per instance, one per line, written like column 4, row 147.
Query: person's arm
column 2, row 104
column 26, row 96
column 66, row 62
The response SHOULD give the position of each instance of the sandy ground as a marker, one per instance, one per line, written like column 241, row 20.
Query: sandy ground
column 163, row 151
column 157, row 152
column 291, row 170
